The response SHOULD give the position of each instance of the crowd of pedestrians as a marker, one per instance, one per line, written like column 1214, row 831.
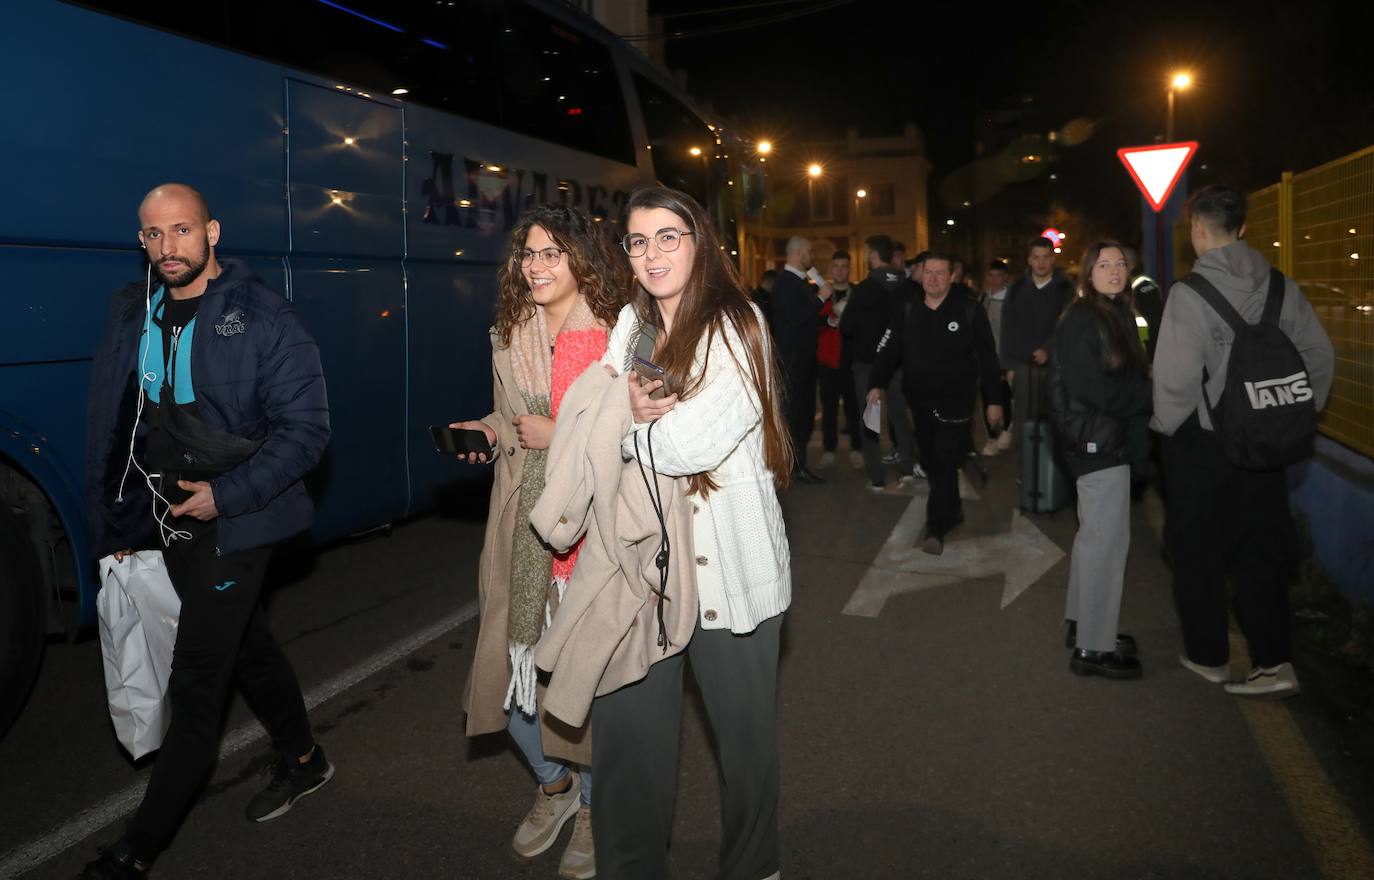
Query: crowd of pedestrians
column 648, row 392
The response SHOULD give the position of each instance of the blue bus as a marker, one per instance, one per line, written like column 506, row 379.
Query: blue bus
column 365, row 158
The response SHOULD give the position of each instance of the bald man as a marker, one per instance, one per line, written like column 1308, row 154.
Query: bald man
column 796, row 323
column 216, row 382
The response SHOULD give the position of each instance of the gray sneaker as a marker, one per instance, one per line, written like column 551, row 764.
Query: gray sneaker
column 1215, row 674
column 579, row 859
column 545, row 819
column 1271, row 683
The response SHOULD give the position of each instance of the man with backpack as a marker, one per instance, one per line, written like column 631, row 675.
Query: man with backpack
column 1241, row 369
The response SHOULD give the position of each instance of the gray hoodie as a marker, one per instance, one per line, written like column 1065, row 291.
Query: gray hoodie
column 1192, row 335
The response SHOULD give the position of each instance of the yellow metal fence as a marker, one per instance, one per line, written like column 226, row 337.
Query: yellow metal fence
column 1317, row 226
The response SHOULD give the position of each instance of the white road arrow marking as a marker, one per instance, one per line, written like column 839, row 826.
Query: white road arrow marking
column 1022, row 555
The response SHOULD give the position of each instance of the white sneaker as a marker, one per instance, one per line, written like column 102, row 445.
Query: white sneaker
column 1214, row 674
column 856, row 460
column 905, row 481
column 545, row 819
column 990, row 448
column 1272, row 683
column 827, row 460
column 918, row 472
column 579, row 859
column 1004, row 440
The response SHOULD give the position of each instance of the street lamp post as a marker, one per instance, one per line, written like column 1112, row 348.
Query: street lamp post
column 1179, row 83
column 763, row 148
column 813, row 171
column 859, row 195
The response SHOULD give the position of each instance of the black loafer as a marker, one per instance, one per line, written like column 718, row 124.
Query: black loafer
column 807, row 476
column 1125, row 643
column 1108, row 664
column 115, row 863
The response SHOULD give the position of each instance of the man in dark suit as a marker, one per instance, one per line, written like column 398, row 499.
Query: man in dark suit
column 795, row 321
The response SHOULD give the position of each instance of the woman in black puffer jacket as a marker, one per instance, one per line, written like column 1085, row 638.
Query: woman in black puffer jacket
column 1100, row 395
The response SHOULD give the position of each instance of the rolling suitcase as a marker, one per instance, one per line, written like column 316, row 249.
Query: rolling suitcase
column 1044, row 484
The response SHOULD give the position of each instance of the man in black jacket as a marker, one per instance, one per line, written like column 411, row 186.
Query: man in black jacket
column 1029, row 316
column 219, row 385
column 946, row 353
column 865, row 320
column 796, row 322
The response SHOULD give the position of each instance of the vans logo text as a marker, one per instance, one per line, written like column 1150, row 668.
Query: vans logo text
column 1279, row 392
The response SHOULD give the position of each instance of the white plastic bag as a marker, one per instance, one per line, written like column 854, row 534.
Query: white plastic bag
column 138, row 612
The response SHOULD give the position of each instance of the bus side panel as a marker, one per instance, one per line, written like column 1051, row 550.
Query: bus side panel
column 137, row 108
column 450, row 312
column 353, row 308
column 345, row 158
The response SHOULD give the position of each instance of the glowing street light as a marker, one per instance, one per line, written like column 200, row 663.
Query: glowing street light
column 1182, row 80
column 765, row 147
column 861, row 194
column 695, row 151
column 815, row 170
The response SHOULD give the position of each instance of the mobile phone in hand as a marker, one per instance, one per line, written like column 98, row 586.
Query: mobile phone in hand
column 459, row 441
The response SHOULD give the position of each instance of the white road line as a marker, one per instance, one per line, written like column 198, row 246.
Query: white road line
column 124, row 801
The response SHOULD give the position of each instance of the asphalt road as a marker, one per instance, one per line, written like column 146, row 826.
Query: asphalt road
column 943, row 738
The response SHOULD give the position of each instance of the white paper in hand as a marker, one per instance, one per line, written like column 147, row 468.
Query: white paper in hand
column 873, row 417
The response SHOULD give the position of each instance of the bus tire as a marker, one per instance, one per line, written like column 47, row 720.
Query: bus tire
column 22, row 622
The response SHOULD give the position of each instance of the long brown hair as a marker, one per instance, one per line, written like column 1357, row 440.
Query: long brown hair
column 713, row 295
column 599, row 271
column 1120, row 345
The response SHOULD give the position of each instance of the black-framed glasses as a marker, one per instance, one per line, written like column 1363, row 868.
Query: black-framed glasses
column 668, row 240
column 549, row 256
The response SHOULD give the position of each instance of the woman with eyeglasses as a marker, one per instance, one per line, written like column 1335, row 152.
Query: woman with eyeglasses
column 559, row 293
column 723, row 429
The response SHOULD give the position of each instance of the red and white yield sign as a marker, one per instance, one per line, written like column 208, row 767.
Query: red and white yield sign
column 1157, row 168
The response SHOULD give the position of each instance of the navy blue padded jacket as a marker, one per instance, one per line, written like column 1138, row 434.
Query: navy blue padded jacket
column 256, row 374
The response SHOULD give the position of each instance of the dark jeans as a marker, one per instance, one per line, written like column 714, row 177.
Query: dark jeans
column 837, row 385
column 801, row 405
column 1223, row 521
column 872, row 446
column 635, row 753
column 222, row 636
column 943, row 445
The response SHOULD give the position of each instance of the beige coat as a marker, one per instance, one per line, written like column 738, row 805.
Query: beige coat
column 489, row 677
column 605, row 634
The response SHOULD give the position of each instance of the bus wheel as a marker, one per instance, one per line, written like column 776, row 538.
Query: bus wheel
column 22, row 624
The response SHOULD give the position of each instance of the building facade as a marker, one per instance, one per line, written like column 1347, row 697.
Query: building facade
column 865, row 186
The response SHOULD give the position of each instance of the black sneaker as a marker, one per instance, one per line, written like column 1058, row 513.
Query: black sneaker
column 115, row 863
column 291, row 781
column 892, row 457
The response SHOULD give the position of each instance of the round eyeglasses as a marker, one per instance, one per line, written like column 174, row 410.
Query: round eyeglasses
column 667, row 239
column 549, row 256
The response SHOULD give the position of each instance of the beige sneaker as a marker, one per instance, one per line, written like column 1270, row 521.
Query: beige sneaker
column 856, row 460
column 545, row 819
column 579, row 859
column 990, row 448
column 1004, row 440
column 1271, row 683
column 827, row 460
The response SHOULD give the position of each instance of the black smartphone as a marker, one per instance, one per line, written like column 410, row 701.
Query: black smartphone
column 459, row 441
column 644, row 364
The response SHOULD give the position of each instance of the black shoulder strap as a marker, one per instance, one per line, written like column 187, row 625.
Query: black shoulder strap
column 1213, row 298
column 1273, row 303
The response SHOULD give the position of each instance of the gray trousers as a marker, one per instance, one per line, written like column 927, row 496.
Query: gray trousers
column 635, row 752
column 1098, row 565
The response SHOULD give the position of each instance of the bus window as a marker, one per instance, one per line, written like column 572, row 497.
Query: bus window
column 438, row 54
column 683, row 147
column 561, row 85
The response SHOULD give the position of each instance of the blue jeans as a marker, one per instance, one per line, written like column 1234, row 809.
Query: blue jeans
column 524, row 729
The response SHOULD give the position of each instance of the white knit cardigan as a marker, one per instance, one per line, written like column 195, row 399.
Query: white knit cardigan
column 743, row 564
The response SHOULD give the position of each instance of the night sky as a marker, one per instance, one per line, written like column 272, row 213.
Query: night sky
column 1279, row 86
